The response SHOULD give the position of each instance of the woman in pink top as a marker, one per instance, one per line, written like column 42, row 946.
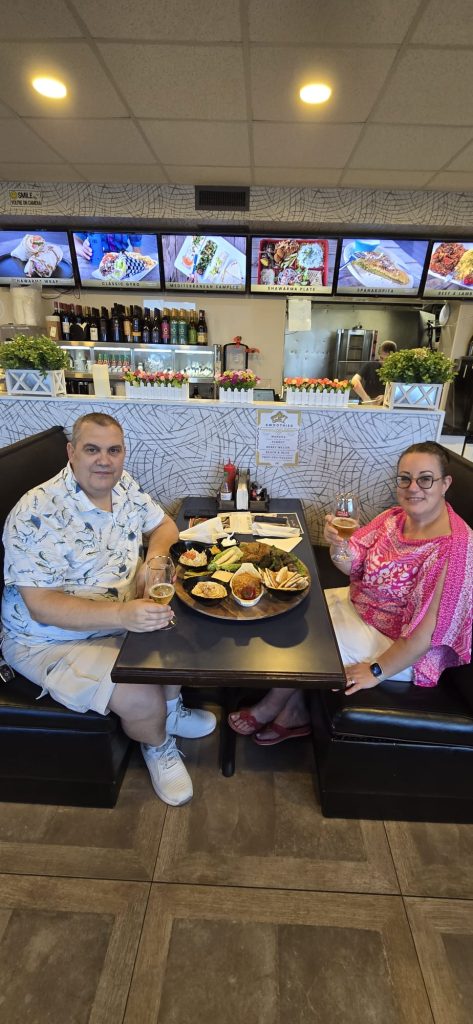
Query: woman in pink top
column 407, row 614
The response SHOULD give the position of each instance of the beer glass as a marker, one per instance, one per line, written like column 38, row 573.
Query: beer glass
column 345, row 521
column 159, row 583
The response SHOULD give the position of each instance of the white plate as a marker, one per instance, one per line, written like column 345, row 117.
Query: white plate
column 373, row 280
column 226, row 260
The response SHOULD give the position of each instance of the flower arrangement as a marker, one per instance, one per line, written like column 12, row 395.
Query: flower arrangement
column 417, row 365
column 317, row 384
column 162, row 378
column 237, row 380
column 32, row 353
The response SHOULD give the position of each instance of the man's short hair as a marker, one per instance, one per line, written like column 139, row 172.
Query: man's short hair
column 100, row 419
column 388, row 346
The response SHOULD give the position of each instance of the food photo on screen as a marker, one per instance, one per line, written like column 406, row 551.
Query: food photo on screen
column 205, row 262
column 293, row 265
column 450, row 272
column 120, row 259
column 40, row 256
column 381, row 266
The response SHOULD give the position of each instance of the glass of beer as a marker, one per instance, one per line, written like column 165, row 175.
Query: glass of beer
column 159, row 584
column 345, row 521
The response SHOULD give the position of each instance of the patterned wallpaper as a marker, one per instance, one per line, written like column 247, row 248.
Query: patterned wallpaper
column 173, row 203
column 179, row 449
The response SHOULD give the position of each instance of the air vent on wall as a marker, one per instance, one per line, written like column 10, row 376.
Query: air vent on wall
column 225, row 197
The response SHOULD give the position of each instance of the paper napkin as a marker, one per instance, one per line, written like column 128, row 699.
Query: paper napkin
column 207, row 532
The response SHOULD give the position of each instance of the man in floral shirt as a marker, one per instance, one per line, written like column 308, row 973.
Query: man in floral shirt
column 73, row 586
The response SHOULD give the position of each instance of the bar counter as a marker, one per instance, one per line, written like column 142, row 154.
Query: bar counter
column 175, row 449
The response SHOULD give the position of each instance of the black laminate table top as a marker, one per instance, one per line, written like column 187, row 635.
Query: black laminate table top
column 297, row 648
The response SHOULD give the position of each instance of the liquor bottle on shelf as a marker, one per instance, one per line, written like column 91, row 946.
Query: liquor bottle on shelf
column 165, row 328
column 202, row 334
column 65, row 323
column 146, row 330
column 183, row 328
column 94, row 327
column 127, row 325
column 192, row 333
column 156, row 328
column 85, row 323
column 76, row 333
column 116, row 326
column 136, row 322
column 174, row 327
column 103, row 324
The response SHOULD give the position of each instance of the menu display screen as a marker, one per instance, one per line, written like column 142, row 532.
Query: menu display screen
column 302, row 266
column 204, row 262
column 386, row 266
column 450, row 273
column 117, row 260
column 35, row 256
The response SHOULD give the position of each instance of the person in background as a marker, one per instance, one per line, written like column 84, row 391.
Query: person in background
column 74, row 580
column 366, row 383
column 407, row 614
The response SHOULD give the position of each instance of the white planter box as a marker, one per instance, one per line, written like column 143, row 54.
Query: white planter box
column 31, row 382
column 235, row 396
column 318, row 399
column 412, row 396
column 157, row 393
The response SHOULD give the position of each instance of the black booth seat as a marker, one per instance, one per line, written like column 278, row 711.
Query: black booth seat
column 49, row 754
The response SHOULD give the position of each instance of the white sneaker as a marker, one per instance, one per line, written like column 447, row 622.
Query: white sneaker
column 170, row 778
column 189, row 723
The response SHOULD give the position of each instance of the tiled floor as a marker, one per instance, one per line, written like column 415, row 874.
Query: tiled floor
column 244, row 906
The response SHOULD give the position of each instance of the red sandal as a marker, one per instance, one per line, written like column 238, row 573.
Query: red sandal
column 251, row 721
column 283, row 733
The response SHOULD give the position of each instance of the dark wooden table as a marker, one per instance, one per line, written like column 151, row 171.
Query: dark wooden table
column 296, row 648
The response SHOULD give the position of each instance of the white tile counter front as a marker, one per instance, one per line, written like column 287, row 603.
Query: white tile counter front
column 178, row 449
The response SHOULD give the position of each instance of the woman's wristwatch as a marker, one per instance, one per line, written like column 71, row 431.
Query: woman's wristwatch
column 376, row 670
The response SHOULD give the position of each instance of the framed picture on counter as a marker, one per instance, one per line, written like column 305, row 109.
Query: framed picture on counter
column 235, row 357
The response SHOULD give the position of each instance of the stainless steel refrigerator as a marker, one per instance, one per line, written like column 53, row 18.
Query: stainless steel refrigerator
column 353, row 347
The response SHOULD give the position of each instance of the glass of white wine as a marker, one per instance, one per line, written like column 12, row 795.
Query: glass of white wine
column 346, row 521
column 159, row 583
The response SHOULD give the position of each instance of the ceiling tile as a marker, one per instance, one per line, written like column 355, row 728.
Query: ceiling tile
column 149, row 174
column 173, row 141
column 385, row 179
column 445, row 23
column 45, row 19
column 356, row 76
column 464, row 161
column 19, row 143
column 32, row 173
column 209, row 175
column 297, row 177
column 452, row 181
column 408, row 147
column 206, row 21
column 429, row 87
column 94, row 141
column 319, row 22
column 90, row 92
column 180, row 81
column 304, row 145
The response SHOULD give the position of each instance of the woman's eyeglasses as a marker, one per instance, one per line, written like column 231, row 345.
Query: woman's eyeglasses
column 424, row 481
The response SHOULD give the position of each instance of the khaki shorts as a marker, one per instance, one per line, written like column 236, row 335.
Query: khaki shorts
column 357, row 641
column 75, row 673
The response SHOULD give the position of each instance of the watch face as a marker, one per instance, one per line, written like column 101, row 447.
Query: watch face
column 376, row 669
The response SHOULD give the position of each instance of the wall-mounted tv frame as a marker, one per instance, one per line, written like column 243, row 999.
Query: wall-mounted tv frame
column 122, row 258
column 381, row 267
column 31, row 255
column 449, row 270
column 206, row 262
column 292, row 264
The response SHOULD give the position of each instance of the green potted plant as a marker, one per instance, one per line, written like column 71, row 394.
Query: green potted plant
column 415, row 377
column 34, row 365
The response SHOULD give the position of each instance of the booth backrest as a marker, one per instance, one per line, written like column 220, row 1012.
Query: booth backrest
column 460, row 492
column 26, row 464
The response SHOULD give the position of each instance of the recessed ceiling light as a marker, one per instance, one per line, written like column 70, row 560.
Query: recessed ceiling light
column 316, row 92
column 50, row 87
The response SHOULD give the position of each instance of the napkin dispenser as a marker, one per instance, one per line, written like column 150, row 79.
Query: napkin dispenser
column 242, row 491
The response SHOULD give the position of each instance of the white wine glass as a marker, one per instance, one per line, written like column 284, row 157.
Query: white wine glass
column 346, row 521
column 159, row 582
